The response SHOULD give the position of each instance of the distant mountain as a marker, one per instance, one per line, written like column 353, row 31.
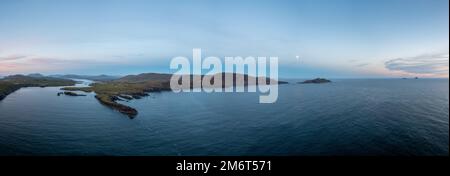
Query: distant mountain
column 145, row 77
column 18, row 78
column 89, row 77
column 32, row 81
column 36, row 75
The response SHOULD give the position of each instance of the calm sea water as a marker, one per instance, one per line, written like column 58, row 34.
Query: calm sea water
column 346, row 117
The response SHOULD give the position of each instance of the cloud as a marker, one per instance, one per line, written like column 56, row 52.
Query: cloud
column 433, row 64
column 362, row 65
column 30, row 64
column 12, row 57
column 22, row 63
column 358, row 62
column 51, row 61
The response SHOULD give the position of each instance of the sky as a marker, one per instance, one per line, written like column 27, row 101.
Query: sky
column 311, row 38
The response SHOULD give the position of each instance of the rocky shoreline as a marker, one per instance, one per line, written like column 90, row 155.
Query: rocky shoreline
column 110, row 101
column 7, row 89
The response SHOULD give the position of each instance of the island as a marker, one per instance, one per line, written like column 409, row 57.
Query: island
column 73, row 94
column 315, row 81
column 131, row 87
column 88, row 77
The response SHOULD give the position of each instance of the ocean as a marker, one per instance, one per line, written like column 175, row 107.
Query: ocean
column 393, row 117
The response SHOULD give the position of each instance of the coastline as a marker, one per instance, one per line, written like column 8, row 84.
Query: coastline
column 13, row 83
column 8, row 90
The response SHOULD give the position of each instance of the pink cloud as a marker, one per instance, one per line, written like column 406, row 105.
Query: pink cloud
column 12, row 57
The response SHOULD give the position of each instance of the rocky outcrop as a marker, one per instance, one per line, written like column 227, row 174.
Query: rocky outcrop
column 73, row 94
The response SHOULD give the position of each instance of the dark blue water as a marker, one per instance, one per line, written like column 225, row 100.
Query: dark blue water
column 346, row 117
